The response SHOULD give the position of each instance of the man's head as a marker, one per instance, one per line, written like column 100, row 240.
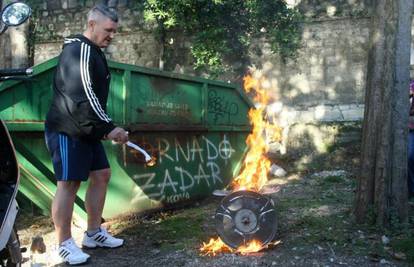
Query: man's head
column 102, row 25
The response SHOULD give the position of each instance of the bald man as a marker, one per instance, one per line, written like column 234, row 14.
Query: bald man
column 75, row 125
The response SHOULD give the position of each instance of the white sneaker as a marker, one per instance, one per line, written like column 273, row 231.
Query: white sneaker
column 69, row 252
column 101, row 239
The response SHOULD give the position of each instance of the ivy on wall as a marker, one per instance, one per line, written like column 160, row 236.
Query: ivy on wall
column 219, row 31
column 222, row 30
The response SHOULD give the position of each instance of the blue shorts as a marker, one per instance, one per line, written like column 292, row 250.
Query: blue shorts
column 73, row 159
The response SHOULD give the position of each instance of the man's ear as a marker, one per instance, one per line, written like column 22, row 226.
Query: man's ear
column 91, row 25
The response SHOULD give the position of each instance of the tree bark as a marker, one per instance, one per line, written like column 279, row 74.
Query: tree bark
column 19, row 45
column 382, row 184
column 1, row 39
column 4, row 48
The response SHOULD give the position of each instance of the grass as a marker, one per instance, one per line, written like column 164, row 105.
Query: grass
column 182, row 230
column 169, row 230
column 333, row 180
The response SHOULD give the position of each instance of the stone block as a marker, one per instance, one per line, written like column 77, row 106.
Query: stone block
column 316, row 72
column 89, row 3
column 306, row 116
column 334, row 116
column 73, row 3
column 62, row 18
column 122, row 3
column 53, row 4
column 352, row 112
column 287, row 117
column 353, row 115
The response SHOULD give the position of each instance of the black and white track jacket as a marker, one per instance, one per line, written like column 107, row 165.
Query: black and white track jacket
column 80, row 91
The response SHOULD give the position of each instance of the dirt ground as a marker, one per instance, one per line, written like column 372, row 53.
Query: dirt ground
column 315, row 226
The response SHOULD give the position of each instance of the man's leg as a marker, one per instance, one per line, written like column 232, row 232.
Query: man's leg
column 70, row 161
column 97, row 236
column 62, row 208
column 95, row 197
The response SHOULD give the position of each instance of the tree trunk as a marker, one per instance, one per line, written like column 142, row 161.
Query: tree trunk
column 4, row 47
column 1, row 40
column 19, row 45
column 382, row 185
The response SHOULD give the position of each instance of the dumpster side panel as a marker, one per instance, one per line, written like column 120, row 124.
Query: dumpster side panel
column 27, row 101
column 188, row 164
column 226, row 107
column 37, row 179
column 116, row 99
column 161, row 100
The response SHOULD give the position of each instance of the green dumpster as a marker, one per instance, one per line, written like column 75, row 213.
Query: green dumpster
column 195, row 128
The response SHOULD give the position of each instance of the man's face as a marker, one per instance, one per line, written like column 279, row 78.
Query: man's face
column 103, row 31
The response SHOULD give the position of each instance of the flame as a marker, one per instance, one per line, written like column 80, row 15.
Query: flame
column 152, row 162
column 216, row 246
column 256, row 165
column 251, row 247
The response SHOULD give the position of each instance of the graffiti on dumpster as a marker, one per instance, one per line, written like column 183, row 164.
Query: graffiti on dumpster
column 177, row 178
column 221, row 108
column 168, row 109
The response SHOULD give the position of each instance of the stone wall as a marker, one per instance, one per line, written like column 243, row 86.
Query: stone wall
column 325, row 83
column 134, row 44
column 329, row 69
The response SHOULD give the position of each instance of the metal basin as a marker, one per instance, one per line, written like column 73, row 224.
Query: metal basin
column 244, row 216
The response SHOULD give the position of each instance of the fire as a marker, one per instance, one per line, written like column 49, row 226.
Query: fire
column 256, row 165
column 253, row 246
column 216, row 246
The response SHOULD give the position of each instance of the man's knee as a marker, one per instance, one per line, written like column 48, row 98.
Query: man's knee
column 69, row 186
column 100, row 177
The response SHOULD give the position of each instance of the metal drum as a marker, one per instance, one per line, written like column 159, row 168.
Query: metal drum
column 244, row 216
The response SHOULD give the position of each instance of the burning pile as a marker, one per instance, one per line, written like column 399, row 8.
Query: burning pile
column 252, row 178
column 216, row 246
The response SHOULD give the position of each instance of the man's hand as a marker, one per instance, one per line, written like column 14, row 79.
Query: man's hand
column 118, row 135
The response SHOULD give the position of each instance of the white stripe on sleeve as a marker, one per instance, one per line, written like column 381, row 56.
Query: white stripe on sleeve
column 85, row 77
